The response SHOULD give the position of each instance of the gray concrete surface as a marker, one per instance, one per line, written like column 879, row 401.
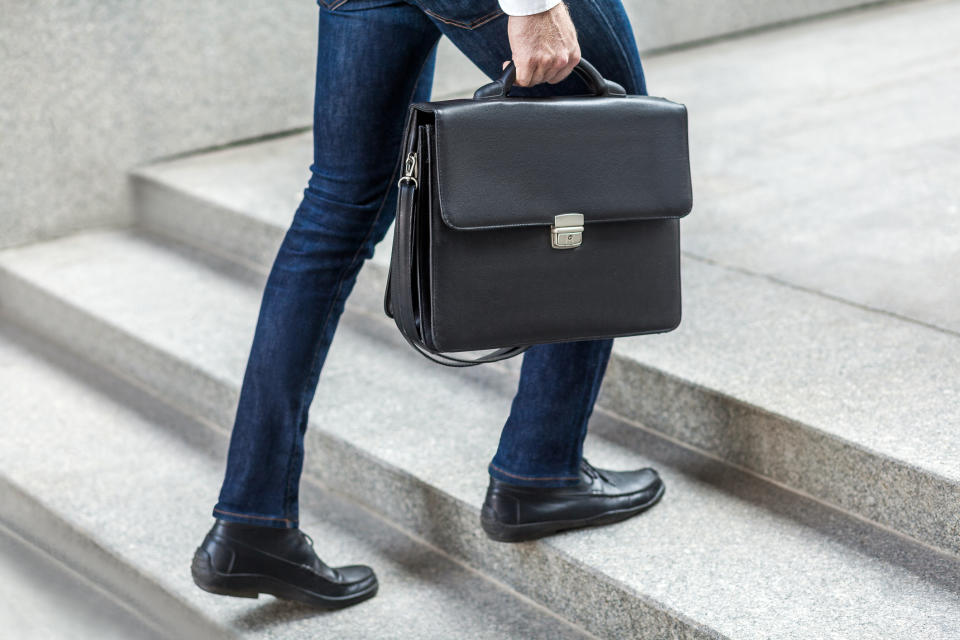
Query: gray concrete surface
column 725, row 554
column 669, row 23
column 827, row 156
column 236, row 202
column 841, row 403
column 658, row 25
column 42, row 598
column 136, row 479
column 809, row 390
column 89, row 89
column 824, row 156
column 840, row 386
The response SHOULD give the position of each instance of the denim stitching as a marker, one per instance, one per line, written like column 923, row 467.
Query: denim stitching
column 244, row 515
column 548, row 478
column 616, row 39
column 353, row 260
column 469, row 26
column 598, row 376
column 332, row 5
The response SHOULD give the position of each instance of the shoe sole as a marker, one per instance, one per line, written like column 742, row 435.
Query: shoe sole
column 251, row 585
column 500, row 532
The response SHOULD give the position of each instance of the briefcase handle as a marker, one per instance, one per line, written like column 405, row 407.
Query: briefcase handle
column 597, row 84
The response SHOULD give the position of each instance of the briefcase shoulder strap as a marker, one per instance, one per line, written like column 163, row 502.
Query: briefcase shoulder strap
column 398, row 299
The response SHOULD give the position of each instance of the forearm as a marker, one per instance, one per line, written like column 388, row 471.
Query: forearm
column 543, row 45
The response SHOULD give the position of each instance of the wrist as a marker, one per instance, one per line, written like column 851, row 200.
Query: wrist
column 527, row 7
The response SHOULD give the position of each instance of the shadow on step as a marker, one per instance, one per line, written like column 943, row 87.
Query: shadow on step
column 854, row 533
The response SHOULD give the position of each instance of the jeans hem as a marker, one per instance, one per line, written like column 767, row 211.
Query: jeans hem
column 254, row 519
column 531, row 481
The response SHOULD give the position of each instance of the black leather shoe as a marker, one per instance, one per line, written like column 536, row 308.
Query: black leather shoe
column 246, row 560
column 512, row 513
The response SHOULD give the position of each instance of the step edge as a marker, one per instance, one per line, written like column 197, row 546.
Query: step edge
column 153, row 196
column 902, row 512
column 413, row 477
column 29, row 517
column 876, row 458
column 202, row 414
column 201, row 436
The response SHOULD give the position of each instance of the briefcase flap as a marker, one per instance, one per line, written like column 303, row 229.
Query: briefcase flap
column 521, row 161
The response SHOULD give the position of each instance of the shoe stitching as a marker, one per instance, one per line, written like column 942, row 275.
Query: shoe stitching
column 298, row 565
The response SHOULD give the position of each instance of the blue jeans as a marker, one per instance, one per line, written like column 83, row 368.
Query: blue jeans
column 374, row 58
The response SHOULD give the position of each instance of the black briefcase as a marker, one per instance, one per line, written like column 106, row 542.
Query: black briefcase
column 524, row 221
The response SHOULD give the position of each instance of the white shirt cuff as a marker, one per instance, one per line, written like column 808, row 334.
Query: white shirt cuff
column 527, row 7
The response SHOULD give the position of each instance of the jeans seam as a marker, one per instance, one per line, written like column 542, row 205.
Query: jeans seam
column 244, row 515
column 353, row 260
column 333, row 4
column 588, row 407
column 616, row 39
column 469, row 26
column 543, row 478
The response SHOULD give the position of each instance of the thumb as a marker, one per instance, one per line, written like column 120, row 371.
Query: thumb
column 505, row 63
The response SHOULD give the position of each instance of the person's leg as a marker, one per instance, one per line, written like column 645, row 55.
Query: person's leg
column 542, row 441
column 374, row 58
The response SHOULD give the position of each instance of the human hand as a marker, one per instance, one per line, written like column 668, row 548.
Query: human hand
column 544, row 46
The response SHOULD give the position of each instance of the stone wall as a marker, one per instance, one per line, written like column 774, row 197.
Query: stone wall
column 89, row 88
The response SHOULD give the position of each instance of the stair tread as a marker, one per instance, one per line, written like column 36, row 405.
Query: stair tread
column 227, row 177
column 876, row 387
column 106, row 458
column 882, row 382
column 724, row 549
column 32, row 585
column 820, row 159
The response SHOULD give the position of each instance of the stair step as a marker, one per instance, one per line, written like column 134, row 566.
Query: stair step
column 811, row 351
column 102, row 473
column 35, row 585
column 725, row 553
column 763, row 375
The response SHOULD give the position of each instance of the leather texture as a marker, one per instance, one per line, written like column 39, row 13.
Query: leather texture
column 245, row 560
column 597, row 84
column 609, row 158
column 511, row 513
column 473, row 267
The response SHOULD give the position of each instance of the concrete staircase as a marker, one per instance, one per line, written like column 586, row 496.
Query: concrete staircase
column 805, row 425
column 108, row 479
column 36, row 584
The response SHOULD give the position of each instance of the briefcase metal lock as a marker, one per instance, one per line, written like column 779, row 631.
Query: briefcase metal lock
column 566, row 232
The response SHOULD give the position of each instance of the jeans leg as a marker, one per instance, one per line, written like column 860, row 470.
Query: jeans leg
column 374, row 58
column 542, row 441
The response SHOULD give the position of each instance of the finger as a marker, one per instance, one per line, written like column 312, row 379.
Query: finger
column 546, row 68
column 572, row 61
column 563, row 74
column 558, row 70
column 534, row 74
column 525, row 71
